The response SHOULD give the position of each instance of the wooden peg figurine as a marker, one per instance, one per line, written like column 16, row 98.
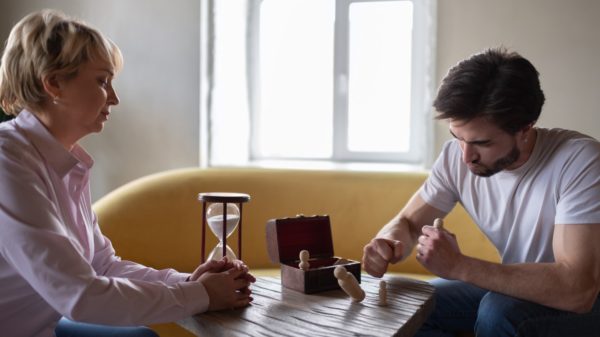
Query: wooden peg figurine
column 349, row 284
column 304, row 256
column 382, row 293
column 438, row 224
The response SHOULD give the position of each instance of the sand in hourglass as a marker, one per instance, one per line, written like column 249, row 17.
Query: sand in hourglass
column 216, row 226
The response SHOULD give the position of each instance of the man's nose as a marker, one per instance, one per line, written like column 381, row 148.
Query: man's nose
column 469, row 153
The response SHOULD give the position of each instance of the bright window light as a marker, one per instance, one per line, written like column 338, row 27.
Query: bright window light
column 295, row 76
column 379, row 81
column 311, row 82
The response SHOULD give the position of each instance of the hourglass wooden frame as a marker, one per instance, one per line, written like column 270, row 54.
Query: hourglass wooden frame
column 224, row 198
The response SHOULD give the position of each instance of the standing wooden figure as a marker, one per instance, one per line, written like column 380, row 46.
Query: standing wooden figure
column 382, row 293
column 304, row 256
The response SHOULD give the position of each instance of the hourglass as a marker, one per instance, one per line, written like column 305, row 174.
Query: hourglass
column 223, row 215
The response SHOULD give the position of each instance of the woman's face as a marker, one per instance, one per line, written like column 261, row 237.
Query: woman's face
column 83, row 103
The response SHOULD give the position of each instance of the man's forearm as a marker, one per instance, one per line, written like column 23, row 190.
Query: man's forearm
column 549, row 284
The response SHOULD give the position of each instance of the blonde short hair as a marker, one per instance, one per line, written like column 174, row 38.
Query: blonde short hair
column 43, row 43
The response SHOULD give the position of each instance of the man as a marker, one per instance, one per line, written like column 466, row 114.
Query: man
column 534, row 192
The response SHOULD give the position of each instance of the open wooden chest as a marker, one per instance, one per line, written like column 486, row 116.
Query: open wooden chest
column 288, row 236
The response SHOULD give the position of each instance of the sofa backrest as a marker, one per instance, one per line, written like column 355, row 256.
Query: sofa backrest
column 156, row 220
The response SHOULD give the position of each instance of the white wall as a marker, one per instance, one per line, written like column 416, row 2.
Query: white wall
column 156, row 125
column 561, row 38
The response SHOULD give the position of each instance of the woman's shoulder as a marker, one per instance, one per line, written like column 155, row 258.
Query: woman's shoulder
column 14, row 144
column 10, row 134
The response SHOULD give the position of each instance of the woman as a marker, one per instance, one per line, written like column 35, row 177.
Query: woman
column 56, row 77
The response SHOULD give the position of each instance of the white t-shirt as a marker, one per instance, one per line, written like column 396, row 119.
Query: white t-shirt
column 517, row 209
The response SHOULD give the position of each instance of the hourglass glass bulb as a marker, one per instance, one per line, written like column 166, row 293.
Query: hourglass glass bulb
column 221, row 212
column 214, row 217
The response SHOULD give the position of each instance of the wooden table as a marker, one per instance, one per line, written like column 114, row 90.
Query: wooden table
column 278, row 311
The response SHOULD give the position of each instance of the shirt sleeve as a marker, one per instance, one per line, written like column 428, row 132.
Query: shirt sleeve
column 107, row 263
column 439, row 189
column 36, row 243
column 579, row 185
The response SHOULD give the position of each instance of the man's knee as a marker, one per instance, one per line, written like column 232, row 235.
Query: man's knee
column 497, row 315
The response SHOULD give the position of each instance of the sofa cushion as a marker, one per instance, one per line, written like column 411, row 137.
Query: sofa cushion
column 156, row 220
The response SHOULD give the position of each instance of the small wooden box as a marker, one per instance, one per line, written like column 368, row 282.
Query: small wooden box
column 287, row 237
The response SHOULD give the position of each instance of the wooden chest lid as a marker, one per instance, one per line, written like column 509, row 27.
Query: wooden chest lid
column 288, row 236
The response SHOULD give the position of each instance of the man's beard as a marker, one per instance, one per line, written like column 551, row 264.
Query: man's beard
column 498, row 165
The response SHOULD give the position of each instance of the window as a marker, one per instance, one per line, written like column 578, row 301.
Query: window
column 318, row 80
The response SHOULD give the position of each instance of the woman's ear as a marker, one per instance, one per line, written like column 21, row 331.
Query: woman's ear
column 51, row 86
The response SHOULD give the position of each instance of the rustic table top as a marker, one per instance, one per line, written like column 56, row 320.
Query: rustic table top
column 278, row 311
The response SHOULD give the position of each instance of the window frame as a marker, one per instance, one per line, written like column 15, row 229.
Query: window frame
column 422, row 83
column 420, row 111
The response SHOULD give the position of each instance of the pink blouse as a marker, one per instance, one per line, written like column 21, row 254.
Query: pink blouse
column 54, row 261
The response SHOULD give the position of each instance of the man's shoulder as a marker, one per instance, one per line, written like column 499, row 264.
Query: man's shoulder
column 568, row 143
column 566, row 137
column 568, row 155
column 450, row 148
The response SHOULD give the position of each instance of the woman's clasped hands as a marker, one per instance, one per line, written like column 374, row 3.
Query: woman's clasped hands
column 227, row 283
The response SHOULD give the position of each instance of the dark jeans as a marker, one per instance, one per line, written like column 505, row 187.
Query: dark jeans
column 68, row 328
column 461, row 307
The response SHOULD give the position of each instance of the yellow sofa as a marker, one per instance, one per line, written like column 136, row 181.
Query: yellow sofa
column 156, row 220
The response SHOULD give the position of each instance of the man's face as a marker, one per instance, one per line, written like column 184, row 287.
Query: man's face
column 486, row 149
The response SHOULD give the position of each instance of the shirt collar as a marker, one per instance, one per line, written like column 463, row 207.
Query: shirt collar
column 54, row 153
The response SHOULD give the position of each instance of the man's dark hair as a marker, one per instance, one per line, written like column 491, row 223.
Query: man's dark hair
column 501, row 86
